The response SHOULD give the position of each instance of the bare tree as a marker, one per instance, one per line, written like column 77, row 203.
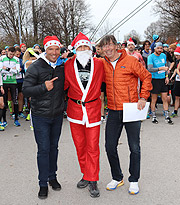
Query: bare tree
column 153, row 28
column 40, row 18
column 66, row 21
column 169, row 11
column 133, row 34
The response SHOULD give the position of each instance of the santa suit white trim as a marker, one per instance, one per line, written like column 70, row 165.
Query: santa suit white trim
column 84, row 91
column 82, row 123
column 73, row 75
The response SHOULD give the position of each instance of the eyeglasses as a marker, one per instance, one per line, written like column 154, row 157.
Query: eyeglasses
column 108, row 45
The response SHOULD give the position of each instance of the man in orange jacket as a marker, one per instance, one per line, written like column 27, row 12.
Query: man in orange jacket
column 121, row 76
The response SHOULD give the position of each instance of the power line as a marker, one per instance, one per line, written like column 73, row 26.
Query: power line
column 103, row 19
column 129, row 16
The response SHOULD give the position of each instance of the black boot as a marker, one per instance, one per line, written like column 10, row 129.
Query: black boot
column 93, row 189
column 55, row 184
column 82, row 184
column 43, row 192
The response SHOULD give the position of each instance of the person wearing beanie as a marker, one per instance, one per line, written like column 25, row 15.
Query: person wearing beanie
column 176, row 74
column 6, row 48
column 165, row 46
column 159, row 70
column 123, row 45
column 37, row 47
column 155, row 39
column 168, row 55
column 83, row 79
column 16, row 45
column 23, row 49
column 44, row 83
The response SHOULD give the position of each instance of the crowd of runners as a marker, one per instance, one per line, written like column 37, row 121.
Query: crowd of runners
column 159, row 58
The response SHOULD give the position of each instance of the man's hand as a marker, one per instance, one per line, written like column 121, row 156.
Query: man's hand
column 141, row 104
column 50, row 83
column 166, row 80
column 4, row 67
column 164, row 68
column 2, row 90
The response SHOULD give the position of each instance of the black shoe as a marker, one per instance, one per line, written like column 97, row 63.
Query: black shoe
column 154, row 120
column 93, row 189
column 169, row 121
column 55, row 184
column 82, row 184
column 43, row 192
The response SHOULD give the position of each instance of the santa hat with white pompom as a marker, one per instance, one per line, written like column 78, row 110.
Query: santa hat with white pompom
column 80, row 40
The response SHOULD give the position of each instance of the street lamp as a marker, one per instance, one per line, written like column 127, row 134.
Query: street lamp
column 118, row 36
column 19, row 22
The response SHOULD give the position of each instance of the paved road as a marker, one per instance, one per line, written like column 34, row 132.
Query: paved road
column 160, row 168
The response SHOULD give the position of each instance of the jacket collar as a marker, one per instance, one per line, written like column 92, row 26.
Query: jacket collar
column 53, row 65
column 123, row 55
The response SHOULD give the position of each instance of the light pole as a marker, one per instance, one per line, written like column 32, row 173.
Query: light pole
column 19, row 22
column 118, row 36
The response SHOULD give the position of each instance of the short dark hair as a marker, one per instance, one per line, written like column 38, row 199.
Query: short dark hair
column 11, row 49
column 107, row 39
column 146, row 42
column 17, row 49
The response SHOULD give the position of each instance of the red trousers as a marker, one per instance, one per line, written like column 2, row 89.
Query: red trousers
column 86, row 141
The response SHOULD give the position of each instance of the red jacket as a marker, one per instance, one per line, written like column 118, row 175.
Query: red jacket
column 91, row 113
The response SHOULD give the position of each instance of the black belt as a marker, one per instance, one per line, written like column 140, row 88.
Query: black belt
column 80, row 102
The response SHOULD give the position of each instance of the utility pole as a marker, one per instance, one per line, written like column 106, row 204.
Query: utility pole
column 34, row 19
column 119, row 35
column 19, row 22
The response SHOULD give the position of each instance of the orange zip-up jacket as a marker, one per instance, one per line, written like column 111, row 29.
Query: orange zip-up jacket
column 122, row 82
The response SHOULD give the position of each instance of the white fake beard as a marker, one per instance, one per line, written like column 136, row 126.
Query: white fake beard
column 83, row 57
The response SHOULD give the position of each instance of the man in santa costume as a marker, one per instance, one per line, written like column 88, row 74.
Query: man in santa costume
column 83, row 79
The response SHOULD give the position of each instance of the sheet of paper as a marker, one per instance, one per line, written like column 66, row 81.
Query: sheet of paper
column 131, row 113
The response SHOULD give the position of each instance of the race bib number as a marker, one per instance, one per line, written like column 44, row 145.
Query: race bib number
column 19, row 76
column 162, row 71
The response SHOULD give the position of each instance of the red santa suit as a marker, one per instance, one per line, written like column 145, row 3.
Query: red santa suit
column 84, row 114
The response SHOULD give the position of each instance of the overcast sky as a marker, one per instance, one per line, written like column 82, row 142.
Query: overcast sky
column 123, row 7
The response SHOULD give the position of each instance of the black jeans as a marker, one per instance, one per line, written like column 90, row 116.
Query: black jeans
column 113, row 131
column 47, row 132
column 14, row 96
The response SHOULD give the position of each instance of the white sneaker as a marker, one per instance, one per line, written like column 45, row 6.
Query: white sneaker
column 114, row 184
column 133, row 188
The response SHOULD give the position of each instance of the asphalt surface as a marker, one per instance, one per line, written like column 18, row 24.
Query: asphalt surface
column 160, row 167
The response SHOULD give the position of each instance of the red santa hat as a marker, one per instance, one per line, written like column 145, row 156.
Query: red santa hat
column 22, row 44
column 177, row 51
column 130, row 42
column 51, row 41
column 80, row 40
